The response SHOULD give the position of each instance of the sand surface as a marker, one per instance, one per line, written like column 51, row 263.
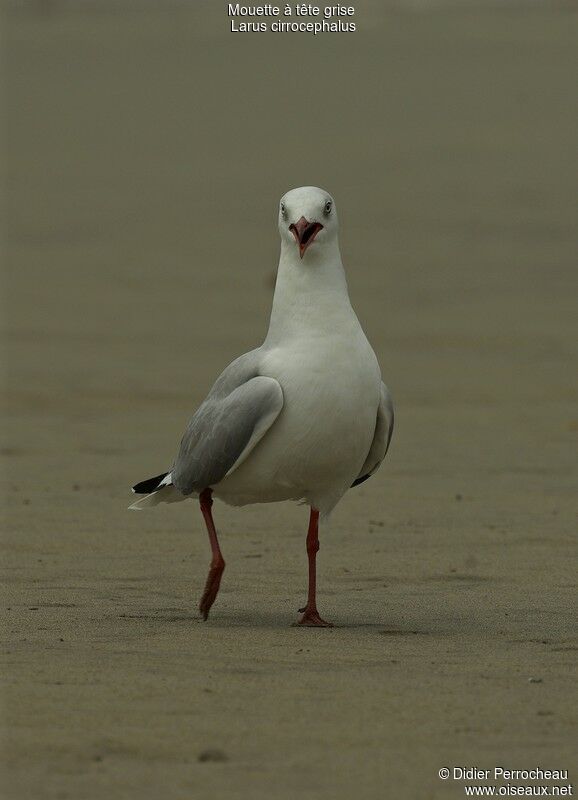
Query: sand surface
column 145, row 151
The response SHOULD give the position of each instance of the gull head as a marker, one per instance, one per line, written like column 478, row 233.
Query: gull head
column 307, row 220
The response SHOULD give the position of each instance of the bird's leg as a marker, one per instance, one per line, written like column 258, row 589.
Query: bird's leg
column 217, row 561
column 310, row 614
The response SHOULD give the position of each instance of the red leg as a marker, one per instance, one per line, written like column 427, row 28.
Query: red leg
column 311, row 615
column 217, row 561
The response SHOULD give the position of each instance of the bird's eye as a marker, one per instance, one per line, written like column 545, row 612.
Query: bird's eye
column 283, row 210
column 328, row 206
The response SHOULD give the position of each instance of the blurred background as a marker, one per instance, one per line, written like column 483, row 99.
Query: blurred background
column 145, row 148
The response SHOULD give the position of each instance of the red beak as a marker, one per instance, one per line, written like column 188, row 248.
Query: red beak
column 304, row 233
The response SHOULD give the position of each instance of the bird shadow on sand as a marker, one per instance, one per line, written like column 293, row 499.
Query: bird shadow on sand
column 266, row 620
column 278, row 621
column 273, row 620
column 379, row 618
column 391, row 626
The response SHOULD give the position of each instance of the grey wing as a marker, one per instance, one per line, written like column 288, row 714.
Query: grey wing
column 237, row 413
column 381, row 437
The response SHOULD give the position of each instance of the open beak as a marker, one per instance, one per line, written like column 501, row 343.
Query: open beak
column 304, row 233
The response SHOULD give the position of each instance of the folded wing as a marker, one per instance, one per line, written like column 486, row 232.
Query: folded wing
column 236, row 415
column 381, row 437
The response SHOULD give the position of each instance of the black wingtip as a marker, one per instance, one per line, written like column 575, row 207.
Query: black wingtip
column 357, row 481
column 150, row 485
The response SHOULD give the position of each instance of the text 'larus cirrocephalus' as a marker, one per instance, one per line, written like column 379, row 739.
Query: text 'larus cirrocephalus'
column 305, row 416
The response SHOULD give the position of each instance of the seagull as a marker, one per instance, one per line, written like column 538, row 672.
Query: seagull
column 303, row 417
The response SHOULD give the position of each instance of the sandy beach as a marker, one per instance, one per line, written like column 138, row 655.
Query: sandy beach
column 145, row 150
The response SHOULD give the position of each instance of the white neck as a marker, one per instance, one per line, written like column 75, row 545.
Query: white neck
column 310, row 293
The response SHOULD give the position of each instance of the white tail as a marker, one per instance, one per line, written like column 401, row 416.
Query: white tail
column 168, row 494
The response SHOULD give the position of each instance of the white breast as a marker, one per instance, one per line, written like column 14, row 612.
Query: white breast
column 318, row 444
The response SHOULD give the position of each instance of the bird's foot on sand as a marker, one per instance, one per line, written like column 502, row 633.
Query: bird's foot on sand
column 311, row 619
